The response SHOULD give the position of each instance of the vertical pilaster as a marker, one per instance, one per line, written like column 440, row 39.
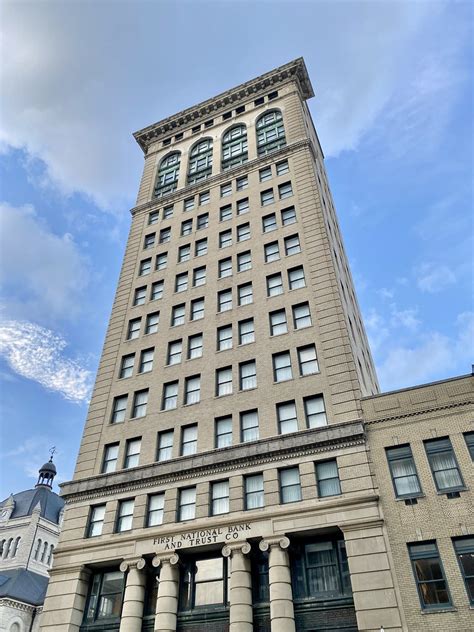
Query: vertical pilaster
column 134, row 596
column 65, row 600
column 282, row 613
column 168, row 590
column 240, row 593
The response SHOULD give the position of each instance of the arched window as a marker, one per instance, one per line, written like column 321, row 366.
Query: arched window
column 168, row 173
column 234, row 147
column 200, row 161
column 38, row 548
column 50, row 556
column 15, row 546
column 270, row 132
column 43, row 554
column 8, row 548
column 2, row 547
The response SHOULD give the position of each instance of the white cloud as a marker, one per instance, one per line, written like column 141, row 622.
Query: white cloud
column 404, row 318
column 37, row 354
column 434, row 278
column 40, row 272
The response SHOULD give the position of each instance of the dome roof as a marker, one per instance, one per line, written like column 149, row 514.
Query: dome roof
column 48, row 467
column 25, row 502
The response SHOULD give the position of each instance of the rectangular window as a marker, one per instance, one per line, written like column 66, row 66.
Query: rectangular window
column 181, row 282
column 307, row 360
column 225, row 213
column 161, row 261
column 225, row 239
column 226, row 189
column 199, row 276
column 187, row 227
column 188, row 204
column 272, row 252
column 146, row 360
column 246, row 331
column 168, row 212
column 249, row 426
column 403, row 471
column 265, row 174
column 243, row 232
column 444, row 466
column 165, row 445
column 170, row 396
column 187, row 504
column 156, row 505
column 327, row 478
column 225, row 267
column 224, row 338
column 140, row 296
column 96, row 521
column 124, row 516
column 202, row 221
column 282, row 367
column 165, row 235
column 429, row 576
column 192, row 390
column 254, row 493
column 105, row 599
column 109, row 463
column 140, row 401
column 266, row 197
column 315, row 411
column 290, row 486
column 285, row 190
column 241, row 183
column 195, row 346
column 287, row 418
column 184, row 253
column 175, row 349
column 245, row 294
column 177, row 315
column 243, row 206
column 152, row 322
column 224, row 381
column 288, row 216
column 292, row 245
column 244, row 261
column 156, row 290
column 134, row 328
column 204, row 197
column 145, row 267
column 269, row 223
column 224, row 300
column 197, row 309
column 464, row 548
column 296, row 278
column 153, row 217
column 223, row 432
column 201, row 247
column 132, row 452
column 278, row 324
column 247, row 375
column 189, row 440
column 274, row 284
column 301, row 316
column 219, row 498
column 282, row 167
column 469, row 438
column 119, row 409
column 126, row 366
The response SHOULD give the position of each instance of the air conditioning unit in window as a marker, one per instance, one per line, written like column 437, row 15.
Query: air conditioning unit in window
column 411, row 501
column 453, row 495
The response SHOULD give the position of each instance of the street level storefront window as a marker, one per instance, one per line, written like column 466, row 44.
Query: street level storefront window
column 105, row 597
column 203, row 583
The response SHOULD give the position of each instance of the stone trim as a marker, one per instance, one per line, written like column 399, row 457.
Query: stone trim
column 18, row 605
column 421, row 411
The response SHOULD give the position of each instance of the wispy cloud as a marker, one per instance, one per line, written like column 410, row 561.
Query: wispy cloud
column 432, row 278
column 38, row 354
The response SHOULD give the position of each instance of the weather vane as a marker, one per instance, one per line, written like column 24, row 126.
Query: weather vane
column 52, row 450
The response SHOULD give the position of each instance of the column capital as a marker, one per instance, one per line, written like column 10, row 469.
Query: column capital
column 267, row 543
column 135, row 562
column 236, row 547
column 170, row 557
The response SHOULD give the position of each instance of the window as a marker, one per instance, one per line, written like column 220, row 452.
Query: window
column 154, row 514
column 204, row 583
column 307, row 360
column 146, row 361
column 181, row 282
column 165, row 235
column 243, row 206
column 464, row 548
column 247, row 375
column 140, row 296
column 266, row 197
column 119, row 408
column 168, row 173
column 429, row 576
column 140, row 401
column 285, row 190
column 249, row 426
column 225, row 268
column 202, row 221
column 273, row 95
column 223, row 432
column 254, row 494
column 244, row 261
column 282, row 167
column 126, row 367
column 204, row 197
column 96, row 521
column 287, row 418
column 259, row 101
column 201, row 247
column 225, row 213
column 301, row 316
column 444, row 466
column 134, row 328
column 224, row 338
column 124, row 516
column 292, row 245
column 469, row 438
column 177, row 315
column 161, row 261
column 197, row 309
column 186, row 227
column 165, row 445
column 219, row 498
column 278, row 324
column 282, row 367
column 269, row 223
column 327, row 478
column 241, row 183
column 153, row 217
column 290, row 486
column 225, row 239
column 186, row 504
column 224, row 381
column 224, row 300
column 272, row 252
column 189, row 440
column 170, row 396
column 270, row 132
column 192, row 390
column 188, row 204
column 245, row 294
column 168, row 212
column 156, row 290
column 184, row 253
column 132, row 452
column 288, row 216
column 105, row 598
column 109, row 463
column 152, row 322
column 234, row 147
column 296, row 278
column 403, row 471
column 246, row 331
column 226, row 189
column 199, row 276
column 149, row 241
column 195, row 346
column 175, row 349
column 200, row 161
column 243, row 232
column 315, row 411
column 265, row 174
column 274, row 284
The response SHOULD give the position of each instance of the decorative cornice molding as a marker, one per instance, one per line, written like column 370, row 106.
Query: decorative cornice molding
column 423, row 411
column 18, row 605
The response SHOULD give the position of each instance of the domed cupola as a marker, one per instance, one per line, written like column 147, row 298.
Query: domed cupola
column 46, row 474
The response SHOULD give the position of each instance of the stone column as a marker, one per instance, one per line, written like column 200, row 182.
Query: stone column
column 168, row 592
column 282, row 614
column 134, row 595
column 240, row 593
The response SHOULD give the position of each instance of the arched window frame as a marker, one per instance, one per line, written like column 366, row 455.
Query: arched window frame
column 43, row 554
column 15, row 546
column 38, row 548
column 200, row 161
column 234, row 147
column 270, row 132
column 50, row 555
column 168, row 174
column 8, row 547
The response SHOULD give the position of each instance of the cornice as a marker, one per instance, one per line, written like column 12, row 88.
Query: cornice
column 293, row 71
column 421, row 411
column 18, row 605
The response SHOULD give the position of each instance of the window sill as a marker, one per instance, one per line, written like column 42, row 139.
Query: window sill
column 403, row 498
column 453, row 490
column 438, row 610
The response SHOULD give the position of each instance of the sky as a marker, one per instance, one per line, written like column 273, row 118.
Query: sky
column 393, row 108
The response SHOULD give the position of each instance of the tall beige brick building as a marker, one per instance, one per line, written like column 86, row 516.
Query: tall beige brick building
column 223, row 480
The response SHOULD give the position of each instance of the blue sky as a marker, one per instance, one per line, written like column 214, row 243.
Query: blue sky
column 393, row 108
